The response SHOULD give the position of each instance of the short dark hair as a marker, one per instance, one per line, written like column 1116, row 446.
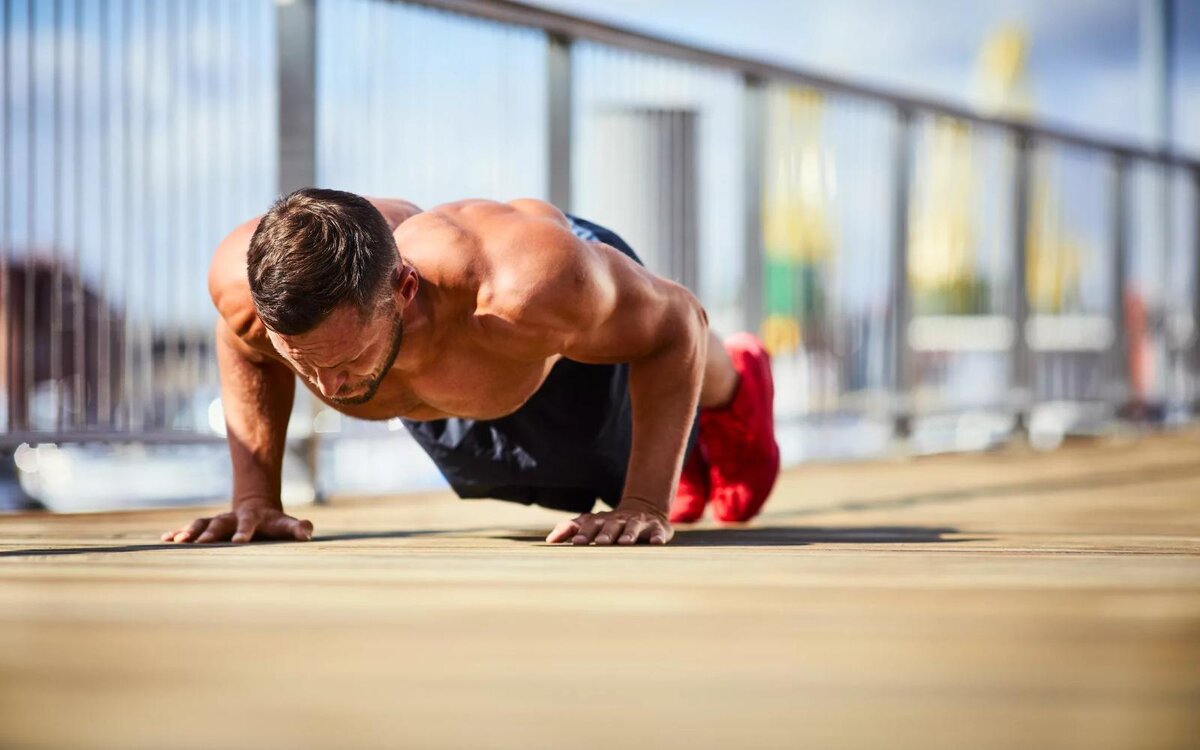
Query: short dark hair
column 313, row 252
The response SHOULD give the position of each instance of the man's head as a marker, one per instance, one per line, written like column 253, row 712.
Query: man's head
column 328, row 282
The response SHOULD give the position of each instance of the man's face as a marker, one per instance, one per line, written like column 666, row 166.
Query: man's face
column 346, row 356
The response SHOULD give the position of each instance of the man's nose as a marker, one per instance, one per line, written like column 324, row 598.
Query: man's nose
column 330, row 381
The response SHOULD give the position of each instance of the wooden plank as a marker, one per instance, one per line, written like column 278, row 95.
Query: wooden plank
column 999, row 600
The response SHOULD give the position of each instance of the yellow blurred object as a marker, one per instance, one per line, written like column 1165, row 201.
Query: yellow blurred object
column 781, row 334
column 1053, row 271
column 1003, row 84
column 942, row 237
column 795, row 211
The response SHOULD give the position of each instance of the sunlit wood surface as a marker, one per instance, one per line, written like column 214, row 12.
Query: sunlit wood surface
column 1009, row 600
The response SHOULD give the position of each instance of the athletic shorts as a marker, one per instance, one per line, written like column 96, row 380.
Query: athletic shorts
column 566, row 447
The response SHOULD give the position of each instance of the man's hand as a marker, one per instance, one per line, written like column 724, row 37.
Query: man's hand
column 249, row 520
column 635, row 520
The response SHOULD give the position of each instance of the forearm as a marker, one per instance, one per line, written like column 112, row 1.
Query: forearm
column 665, row 392
column 257, row 397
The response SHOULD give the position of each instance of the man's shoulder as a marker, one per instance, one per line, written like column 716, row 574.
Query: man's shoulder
column 229, row 286
column 545, row 277
column 487, row 241
column 520, row 259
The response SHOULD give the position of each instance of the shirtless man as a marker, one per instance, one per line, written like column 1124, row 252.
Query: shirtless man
column 528, row 352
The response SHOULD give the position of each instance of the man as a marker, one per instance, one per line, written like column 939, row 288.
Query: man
column 528, row 352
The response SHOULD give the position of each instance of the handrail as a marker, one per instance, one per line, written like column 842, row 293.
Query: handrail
column 574, row 27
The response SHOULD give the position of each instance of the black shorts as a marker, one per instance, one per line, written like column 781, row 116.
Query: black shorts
column 566, row 447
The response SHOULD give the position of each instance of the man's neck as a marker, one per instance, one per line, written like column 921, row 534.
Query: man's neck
column 419, row 330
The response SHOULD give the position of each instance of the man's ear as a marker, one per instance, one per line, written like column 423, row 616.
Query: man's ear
column 405, row 282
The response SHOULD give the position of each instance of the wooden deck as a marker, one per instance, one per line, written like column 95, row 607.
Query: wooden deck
column 1010, row 600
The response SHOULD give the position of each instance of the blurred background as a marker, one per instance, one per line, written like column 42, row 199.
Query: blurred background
column 955, row 224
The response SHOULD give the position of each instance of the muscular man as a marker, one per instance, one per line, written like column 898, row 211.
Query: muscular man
column 528, row 352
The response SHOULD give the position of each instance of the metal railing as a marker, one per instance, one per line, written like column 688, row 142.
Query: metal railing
column 134, row 136
column 905, row 258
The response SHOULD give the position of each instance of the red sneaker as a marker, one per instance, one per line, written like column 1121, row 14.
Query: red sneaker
column 739, row 439
column 692, row 495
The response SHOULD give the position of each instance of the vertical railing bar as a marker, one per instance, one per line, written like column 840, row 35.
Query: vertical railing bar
column 127, row 215
column 1020, row 391
column 139, row 207
column 435, row 17
column 211, row 166
column 370, row 84
column 128, row 169
column 79, row 407
column 559, row 109
column 296, row 60
column 174, row 242
column 243, row 128
column 679, row 163
column 1172, row 351
column 7, row 309
column 1119, row 226
column 691, row 196
column 685, row 149
column 901, row 370
column 104, row 244
column 56, row 222
column 753, row 177
column 671, row 154
column 151, row 120
column 191, row 269
column 677, row 112
column 190, row 229
column 28, row 322
column 659, row 141
column 222, row 199
column 505, row 112
column 671, row 136
column 499, row 34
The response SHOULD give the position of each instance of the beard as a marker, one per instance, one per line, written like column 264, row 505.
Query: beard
column 373, row 382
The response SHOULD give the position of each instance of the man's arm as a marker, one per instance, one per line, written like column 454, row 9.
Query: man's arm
column 593, row 304
column 663, row 331
column 257, row 393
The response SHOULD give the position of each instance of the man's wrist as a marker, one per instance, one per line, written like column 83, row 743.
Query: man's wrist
column 637, row 502
column 258, row 501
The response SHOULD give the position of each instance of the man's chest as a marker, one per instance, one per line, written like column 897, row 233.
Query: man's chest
column 459, row 381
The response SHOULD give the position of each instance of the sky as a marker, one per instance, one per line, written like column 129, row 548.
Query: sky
column 1085, row 62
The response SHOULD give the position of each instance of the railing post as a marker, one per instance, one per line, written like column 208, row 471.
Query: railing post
column 1020, row 385
column 1119, row 228
column 558, row 127
column 296, row 64
column 754, row 119
column 901, row 375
